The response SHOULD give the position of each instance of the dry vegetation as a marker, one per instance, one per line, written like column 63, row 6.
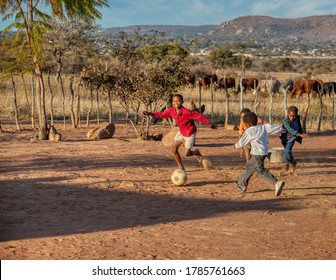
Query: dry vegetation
column 24, row 98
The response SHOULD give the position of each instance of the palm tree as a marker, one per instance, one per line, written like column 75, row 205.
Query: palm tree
column 30, row 22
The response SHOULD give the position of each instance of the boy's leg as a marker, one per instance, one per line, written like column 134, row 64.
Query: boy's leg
column 176, row 145
column 246, row 174
column 178, row 140
column 262, row 171
column 189, row 142
column 288, row 156
column 267, row 175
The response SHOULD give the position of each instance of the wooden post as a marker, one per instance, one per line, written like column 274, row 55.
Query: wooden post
column 212, row 102
column 285, row 92
column 15, row 107
column 51, row 100
column 305, row 115
column 226, row 104
column 271, row 100
column 78, row 105
column 72, row 99
column 90, row 107
column 241, row 94
column 97, row 104
column 199, row 96
column 33, row 103
column 333, row 108
column 320, row 113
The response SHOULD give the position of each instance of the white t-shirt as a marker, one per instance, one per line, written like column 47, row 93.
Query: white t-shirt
column 257, row 137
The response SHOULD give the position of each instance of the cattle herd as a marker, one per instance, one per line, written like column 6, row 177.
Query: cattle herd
column 273, row 86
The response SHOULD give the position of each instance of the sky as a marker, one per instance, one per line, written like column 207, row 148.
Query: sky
column 202, row 12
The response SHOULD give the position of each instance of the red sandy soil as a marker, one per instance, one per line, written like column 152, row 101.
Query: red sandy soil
column 113, row 199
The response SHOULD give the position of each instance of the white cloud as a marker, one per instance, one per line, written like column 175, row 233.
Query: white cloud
column 290, row 9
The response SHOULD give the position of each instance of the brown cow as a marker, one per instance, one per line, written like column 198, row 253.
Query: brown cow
column 229, row 83
column 316, row 86
column 248, row 83
column 206, row 81
column 306, row 86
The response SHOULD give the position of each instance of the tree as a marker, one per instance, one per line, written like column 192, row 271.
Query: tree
column 68, row 45
column 31, row 22
column 144, row 73
column 285, row 63
column 223, row 58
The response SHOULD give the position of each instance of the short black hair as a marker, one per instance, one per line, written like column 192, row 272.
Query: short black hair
column 293, row 109
column 250, row 118
column 245, row 110
column 179, row 96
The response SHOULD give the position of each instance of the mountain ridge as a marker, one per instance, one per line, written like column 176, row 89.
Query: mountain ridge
column 311, row 28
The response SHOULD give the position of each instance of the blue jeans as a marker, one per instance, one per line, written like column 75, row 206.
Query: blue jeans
column 288, row 145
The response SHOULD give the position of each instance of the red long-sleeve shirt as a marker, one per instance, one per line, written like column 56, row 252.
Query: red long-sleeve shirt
column 184, row 119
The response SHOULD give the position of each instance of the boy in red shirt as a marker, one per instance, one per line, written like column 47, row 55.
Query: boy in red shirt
column 184, row 119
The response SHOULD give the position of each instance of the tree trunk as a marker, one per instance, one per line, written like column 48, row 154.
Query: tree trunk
column 77, row 115
column 90, row 108
column 15, row 108
column 110, row 105
column 60, row 80
column 97, row 100
column 137, row 109
column 26, row 93
column 51, row 108
column 72, row 97
column 40, row 94
column 33, row 122
column 63, row 101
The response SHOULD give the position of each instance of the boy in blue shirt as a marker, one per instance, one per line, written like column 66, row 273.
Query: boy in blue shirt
column 293, row 134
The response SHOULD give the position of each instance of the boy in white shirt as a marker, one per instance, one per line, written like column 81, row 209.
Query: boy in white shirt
column 256, row 135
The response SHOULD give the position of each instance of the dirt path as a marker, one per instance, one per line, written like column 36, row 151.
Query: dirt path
column 113, row 199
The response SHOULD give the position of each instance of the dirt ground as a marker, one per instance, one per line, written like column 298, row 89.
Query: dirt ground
column 113, row 199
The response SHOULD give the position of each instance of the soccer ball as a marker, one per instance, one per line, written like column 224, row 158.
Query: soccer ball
column 179, row 177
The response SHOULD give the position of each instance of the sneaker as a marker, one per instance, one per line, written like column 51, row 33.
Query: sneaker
column 242, row 188
column 278, row 187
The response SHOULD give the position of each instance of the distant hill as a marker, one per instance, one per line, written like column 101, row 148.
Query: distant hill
column 169, row 30
column 312, row 28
